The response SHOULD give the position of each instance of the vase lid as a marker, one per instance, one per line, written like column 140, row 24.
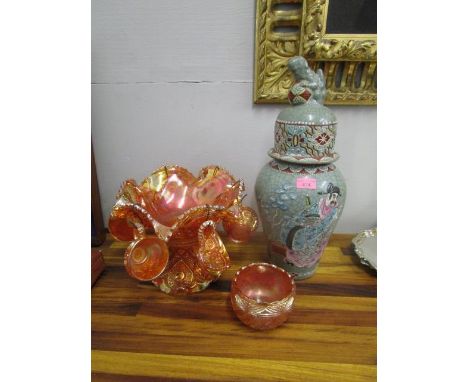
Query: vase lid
column 305, row 132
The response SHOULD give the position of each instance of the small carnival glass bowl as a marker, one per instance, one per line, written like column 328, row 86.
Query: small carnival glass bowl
column 262, row 295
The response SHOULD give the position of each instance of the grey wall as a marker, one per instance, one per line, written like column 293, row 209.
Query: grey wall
column 172, row 84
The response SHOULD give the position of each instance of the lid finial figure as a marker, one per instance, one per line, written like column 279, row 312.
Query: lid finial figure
column 308, row 83
column 305, row 132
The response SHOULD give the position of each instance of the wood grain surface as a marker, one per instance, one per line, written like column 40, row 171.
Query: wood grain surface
column 141, row 334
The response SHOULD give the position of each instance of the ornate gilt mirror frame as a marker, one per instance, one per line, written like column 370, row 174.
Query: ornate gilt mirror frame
column 286, row 28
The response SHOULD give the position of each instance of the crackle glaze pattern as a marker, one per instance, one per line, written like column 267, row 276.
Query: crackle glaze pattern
column 301, row 193
column 297, row 221
column 304, row 140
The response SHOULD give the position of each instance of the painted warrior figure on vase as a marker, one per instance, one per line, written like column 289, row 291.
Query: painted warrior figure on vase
column 307, row 234
column 303, row 234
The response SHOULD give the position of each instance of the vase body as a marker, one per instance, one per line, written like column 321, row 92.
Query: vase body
column 298, row 222
column 301, row 193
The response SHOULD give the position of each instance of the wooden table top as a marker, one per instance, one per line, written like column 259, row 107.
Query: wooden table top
column 141, row 334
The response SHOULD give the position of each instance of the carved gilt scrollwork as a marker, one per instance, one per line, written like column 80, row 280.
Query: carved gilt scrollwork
column 272, row 77
column 348, row 61
column 319, row 46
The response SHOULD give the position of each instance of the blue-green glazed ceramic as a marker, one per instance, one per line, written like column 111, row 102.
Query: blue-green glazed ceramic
column 301, row 193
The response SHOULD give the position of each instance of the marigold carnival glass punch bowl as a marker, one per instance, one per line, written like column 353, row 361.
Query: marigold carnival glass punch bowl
column 170, row 219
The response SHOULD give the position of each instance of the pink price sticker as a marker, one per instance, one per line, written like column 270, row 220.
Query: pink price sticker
column 310, row 183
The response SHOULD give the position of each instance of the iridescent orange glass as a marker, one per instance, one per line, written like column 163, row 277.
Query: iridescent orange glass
column 170, row 219
column 146, row 258
column 240, row 223
column 262, row 295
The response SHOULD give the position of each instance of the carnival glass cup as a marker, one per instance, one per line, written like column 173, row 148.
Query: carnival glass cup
column 146, row 258
column 240, row 224
column 262, row 295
